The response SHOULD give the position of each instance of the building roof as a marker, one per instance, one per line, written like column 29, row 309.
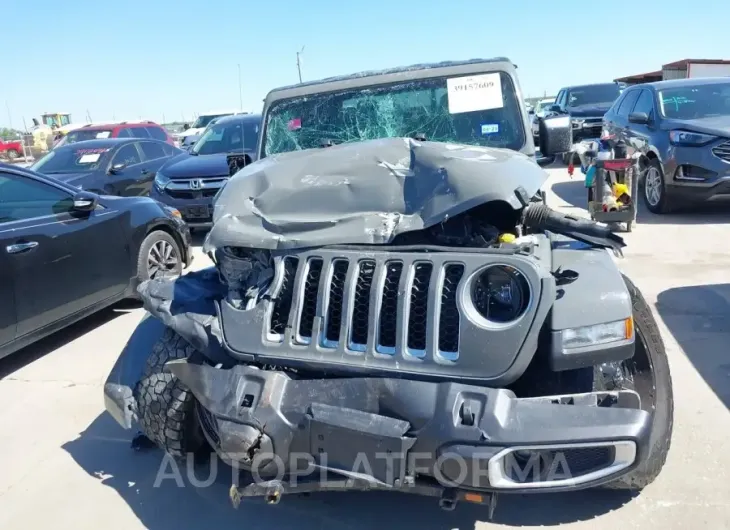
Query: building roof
column 641, row 78
column 684, row 62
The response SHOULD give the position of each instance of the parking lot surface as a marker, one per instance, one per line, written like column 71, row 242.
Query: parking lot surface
column 65, row 463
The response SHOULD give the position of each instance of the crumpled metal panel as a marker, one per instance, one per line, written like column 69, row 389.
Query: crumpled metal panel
column 363, row 193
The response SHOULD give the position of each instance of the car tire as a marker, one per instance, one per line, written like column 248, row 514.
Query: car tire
column 652, row 356
column 653, row 179
column 160, row 246
column 12, row 154
column 166, row 409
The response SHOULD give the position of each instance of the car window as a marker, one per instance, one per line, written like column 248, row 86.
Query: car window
column 628, row 103
column 127, row 155
column 139, row 132
column 559, row 99
column 169, row 150
column 157, row 133
column 124, row 132
column 645, row 103
column 24, row 198
column 152, row 150
column 616, row 104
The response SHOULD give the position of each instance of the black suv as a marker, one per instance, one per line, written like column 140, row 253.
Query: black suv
column 586, row 105
column 190, row 181
column 682, row 130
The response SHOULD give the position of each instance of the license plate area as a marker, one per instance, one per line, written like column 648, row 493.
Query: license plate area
column 197, row 212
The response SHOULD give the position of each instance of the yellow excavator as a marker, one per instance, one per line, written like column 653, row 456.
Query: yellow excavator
column 52, row 127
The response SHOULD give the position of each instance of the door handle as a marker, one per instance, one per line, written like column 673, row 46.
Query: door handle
column 17, row 248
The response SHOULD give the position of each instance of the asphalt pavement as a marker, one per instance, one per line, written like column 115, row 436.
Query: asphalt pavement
column 64, row 463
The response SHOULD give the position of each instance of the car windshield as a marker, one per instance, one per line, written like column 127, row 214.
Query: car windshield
column 227, row 137
column 697, row 101
column 479, row 110
column 69, row 159
column 592, row 95
column 542, row 105
column 204, row 121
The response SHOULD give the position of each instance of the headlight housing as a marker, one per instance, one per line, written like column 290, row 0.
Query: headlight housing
column 500, row 294
column 679, row 137
column 577, row 123
column 161, row 180
column 597, row 334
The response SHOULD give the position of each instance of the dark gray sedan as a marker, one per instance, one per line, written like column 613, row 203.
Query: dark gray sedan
column 681, row 129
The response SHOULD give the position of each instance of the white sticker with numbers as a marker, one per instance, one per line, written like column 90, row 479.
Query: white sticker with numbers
column 474, row 92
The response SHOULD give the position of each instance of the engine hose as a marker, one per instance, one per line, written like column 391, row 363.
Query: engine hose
column 538, row 217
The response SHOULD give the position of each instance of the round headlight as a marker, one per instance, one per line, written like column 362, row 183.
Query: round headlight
column 500, row 294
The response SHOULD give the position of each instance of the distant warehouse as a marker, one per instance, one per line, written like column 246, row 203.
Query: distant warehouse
column 682, row 70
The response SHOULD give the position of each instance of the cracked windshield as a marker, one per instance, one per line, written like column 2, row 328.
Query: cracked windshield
column 438, row 109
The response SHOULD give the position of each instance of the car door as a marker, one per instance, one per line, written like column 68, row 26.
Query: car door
column 638, row 137
column 154, row 157
column 61, row 261
column 8, row 318
column 127, row 171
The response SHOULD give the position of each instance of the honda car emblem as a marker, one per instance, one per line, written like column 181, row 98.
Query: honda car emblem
column 195, row 184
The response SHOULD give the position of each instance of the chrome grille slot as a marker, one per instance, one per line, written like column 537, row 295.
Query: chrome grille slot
column 283, row 301
column 722, row 151
column 388, row 321
column 448, row 330
column 334, row 302
column 418, row 309
column 359, row 327
column 309, row 299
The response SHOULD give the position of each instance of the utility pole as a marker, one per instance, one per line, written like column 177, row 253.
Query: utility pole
column 299, row 63
column 240, row 92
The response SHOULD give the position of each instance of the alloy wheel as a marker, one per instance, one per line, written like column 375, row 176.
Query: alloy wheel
column 162, row 260
column 653, row 186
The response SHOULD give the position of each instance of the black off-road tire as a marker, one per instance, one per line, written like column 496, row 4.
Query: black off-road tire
column 144, row 249
column 165, row 407
column 662, row 408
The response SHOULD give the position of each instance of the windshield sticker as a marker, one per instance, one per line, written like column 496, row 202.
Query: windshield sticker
column 474, row 92
column 295, row 124
column 490, row 128
column 103, row 134
column 90, row 151
column 89, row 158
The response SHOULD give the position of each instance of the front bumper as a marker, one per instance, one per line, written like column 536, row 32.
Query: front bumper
column 197, row 213
column 392, row 433
column 703, row 175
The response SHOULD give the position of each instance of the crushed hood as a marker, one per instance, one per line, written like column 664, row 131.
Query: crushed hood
column 363, row 193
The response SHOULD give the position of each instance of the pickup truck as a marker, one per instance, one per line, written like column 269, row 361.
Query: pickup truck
column 12, row 149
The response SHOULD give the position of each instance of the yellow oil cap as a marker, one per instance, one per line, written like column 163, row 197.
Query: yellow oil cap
column 507, row 238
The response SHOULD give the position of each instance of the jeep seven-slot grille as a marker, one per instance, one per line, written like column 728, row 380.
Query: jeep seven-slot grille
column 363, row 301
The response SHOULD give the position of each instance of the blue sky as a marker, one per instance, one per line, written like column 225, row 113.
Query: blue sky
column 163, row 58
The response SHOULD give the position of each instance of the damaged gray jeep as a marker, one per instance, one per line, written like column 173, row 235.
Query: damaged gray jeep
column 393, row 306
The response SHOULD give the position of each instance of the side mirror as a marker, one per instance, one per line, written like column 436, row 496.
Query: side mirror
column 117, row 168
column 84, row 202
column 640, row 118
column 554, row 108
column 556, row 135
column 186, row 127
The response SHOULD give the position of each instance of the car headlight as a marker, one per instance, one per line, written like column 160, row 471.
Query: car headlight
column 500, row 294
column 161, row 180
column 577, row 122
column 689, row 138
column 598, row 334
